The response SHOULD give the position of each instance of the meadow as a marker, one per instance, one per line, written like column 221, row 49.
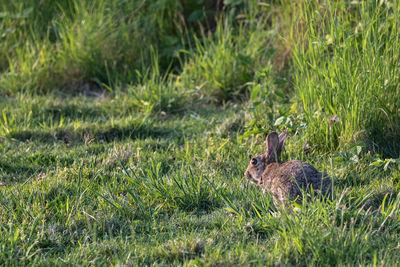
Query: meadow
column 126, row 127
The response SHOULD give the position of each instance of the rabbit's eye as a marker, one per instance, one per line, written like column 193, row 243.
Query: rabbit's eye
column 254, row 161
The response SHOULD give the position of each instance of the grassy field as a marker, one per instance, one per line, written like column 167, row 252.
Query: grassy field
column 126, row 127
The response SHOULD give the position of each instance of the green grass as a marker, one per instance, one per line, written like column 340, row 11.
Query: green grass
column 350, row 69
column 126, row 126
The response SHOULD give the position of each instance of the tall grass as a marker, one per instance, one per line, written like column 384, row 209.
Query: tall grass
column 347, row 66
column 342, row 56
column 48, row 45
column 224, row 63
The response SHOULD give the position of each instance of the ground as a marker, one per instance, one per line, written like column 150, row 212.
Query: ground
column 118, row 150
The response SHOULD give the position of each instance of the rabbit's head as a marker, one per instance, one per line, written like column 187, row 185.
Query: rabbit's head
column 273, row 150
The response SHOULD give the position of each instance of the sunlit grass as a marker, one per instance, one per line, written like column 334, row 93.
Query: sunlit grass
column 126, row 126
column 349, row 69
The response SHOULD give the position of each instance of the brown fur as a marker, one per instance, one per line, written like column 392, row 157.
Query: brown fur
column 287, row 180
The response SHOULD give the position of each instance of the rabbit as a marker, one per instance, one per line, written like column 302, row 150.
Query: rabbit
column 285, row 180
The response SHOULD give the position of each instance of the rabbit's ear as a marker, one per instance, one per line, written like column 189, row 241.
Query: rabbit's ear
column 282, row 138
column 272, row 144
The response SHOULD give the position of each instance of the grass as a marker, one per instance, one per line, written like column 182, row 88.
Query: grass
column 352, row 56
column 125, row 131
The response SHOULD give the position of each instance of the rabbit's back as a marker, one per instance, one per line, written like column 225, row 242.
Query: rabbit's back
column 289, row 179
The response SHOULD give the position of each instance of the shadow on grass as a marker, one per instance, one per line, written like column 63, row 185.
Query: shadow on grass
column 11, row 172
column 74, row 111
column 384, row 136
column 94, row 133
column 16, row 169
column 375, row 201
column 385, row 143
column 353, row 179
